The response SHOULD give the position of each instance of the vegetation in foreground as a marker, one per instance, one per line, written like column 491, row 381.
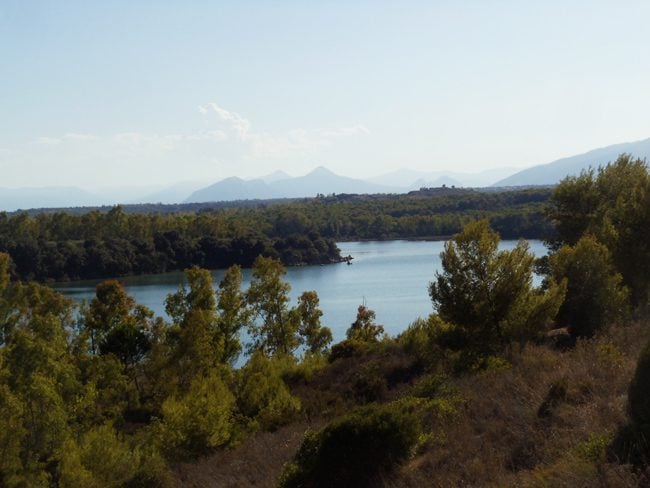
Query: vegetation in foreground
column 479, row 393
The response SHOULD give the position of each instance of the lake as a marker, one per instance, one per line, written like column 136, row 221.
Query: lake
column 391, row 277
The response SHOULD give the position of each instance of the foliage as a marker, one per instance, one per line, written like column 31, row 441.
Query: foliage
column 315, row 336
column 424, row 340
column 197, row 345
column 347, row 348
column 487, row 294
column 199, row 420
column 612, row 204
column 101, row 459
column 262, row 395
column 268, row 296
column 354, row 450
column 639, row 400
column 595, row 296
column 631, row 443
column 118, row 241
column 233, row 313
column 364, row 328
column 61, row 246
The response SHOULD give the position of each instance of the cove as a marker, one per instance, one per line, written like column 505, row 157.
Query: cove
column 390, row 277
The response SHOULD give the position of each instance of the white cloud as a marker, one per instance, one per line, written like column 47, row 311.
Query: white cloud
column 74, row 136
column 47, row 140
column 240, row 125
column 225, row 144
column 264, row 145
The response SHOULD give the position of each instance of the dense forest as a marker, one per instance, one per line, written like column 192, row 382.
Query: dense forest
column 61, row 247
column 64, row 246
column 506, row 384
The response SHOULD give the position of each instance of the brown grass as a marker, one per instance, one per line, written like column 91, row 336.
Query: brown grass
column 500, row 437
column 257, row 461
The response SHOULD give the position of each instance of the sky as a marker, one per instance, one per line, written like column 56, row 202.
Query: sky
column 102, row 94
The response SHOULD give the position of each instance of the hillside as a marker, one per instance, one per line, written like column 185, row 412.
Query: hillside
column 551, row 173
column 495, row 429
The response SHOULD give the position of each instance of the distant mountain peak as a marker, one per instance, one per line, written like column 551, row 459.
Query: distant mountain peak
column 233, row 179
column 320, row 170
column 551, row 173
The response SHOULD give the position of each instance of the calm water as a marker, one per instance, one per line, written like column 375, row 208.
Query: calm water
column 391, row 276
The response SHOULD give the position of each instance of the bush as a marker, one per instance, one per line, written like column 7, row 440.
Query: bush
column 487, row 294
column 102, row 458
column 424, row 338
column 632, row 443
column 370, row 384
column 639, row 392
column 262, row 394
column 354, row 450
column 556, row 394
column 595, row 295
column 347, row 349
column 198, row 421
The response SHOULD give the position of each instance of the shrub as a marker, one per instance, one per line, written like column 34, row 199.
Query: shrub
column 556, row 394
column 103, row 459
column 198, row 421
column 595, row 295
column 422, row 340
column 370, row 385
column 632, row 442
column 487, row 294
column 262, row 394
column 364, row 328
column 639, row 392
column 347, row 349
column 354, row 450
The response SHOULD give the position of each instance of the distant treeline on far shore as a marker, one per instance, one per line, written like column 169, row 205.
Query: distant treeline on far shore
column 120, row 241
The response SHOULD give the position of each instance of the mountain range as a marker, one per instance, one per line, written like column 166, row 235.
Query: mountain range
column 319, row 181
column 551, row 173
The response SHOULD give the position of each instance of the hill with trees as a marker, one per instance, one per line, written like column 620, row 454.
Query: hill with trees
column 480, row 393
column 120, row 241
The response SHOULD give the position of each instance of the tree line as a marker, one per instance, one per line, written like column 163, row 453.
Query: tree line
column 107, row 397
column 61, row 246
column 111, row 395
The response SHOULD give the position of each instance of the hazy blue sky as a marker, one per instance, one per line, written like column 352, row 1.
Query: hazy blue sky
column 153, row 92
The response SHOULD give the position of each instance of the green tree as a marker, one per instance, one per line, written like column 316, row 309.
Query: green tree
column 233, row 313
column 364, row 328
column 118, row 326
column 40, row 381
column 595, row 296
column 198, row 420
column 108, row 309
column 572, row 208
column 314, row 335
column 613, row 204
column 262, row 394
column 487, row 294
column 196, row 340
column 275, row 329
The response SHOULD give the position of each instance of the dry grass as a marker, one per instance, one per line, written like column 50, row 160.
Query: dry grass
column 500, row 435
column 258, row 461
column 502, row 438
